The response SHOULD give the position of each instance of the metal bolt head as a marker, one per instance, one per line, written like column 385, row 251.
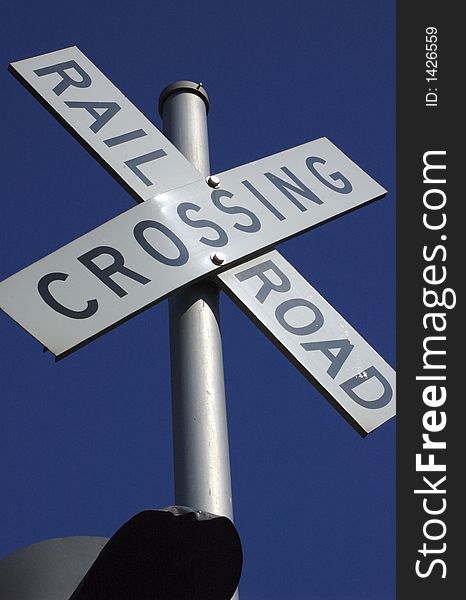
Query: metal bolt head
column 213, row 181
column 218, row 258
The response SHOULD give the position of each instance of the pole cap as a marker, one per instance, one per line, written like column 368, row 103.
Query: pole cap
column 183, row 86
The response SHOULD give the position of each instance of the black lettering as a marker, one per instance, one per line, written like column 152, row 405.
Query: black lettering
column 283, row 308
column 337, row 176
column 354, row 382
column 337, row 360
column 67, row 80
column 260, row 270
column 100, row 118
column 222, row 238
column 286, row 188
column 134, row 163
column 255, row 224
column 45, row 294
column 248, row 185
column 183, row 254
column 106, row 273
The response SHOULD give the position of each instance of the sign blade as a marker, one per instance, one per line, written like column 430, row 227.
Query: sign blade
column 161, row 245
column 105, row 122
column 315, row 337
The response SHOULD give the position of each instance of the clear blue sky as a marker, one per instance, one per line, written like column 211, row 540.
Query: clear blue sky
column 86, row 443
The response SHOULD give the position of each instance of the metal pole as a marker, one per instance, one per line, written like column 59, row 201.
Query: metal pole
column 200, row 434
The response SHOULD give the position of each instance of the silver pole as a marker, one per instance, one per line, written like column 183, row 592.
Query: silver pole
column 200, row 434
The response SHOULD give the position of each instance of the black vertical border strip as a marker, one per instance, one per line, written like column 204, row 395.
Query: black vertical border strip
column 420, row 129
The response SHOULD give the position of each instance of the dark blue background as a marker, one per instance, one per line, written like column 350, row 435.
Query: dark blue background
column 86, row 443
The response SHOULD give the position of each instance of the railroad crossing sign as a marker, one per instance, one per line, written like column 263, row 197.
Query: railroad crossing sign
column 187, row 228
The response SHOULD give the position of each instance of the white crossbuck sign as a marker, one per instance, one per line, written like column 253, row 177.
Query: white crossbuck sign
column 184, row 230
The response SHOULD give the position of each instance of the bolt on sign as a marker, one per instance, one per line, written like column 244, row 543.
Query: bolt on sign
column 187, row 228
